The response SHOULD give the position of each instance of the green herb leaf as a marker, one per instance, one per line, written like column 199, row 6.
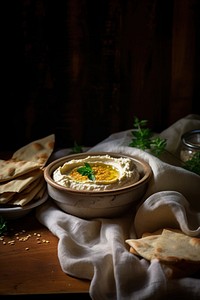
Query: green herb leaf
column 77, row 148
column 158, row 145
column 3, row 225
column 193, row 164
column 86, row 171
column 142, row 138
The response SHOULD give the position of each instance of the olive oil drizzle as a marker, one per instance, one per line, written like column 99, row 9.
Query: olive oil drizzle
column 98, row 172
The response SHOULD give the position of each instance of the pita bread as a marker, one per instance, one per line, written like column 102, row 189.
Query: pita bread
column 32, row 185
column 20, row 183
column 38, row 151
column 9, row 196
column 29, row 194
column 145, row 246
column 174, row 247
column 10, row 169
column 21, row 177
column 178, row 254
column 41, row 192
column 5, row 197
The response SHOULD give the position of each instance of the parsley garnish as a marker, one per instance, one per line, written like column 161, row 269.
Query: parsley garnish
column 87, row 171
column 142, row 138
column 77, row 148
column 3, row 225
column 193, row 164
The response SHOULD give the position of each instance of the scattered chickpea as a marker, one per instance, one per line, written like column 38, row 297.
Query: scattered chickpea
column 11, row 242
column 20, row 238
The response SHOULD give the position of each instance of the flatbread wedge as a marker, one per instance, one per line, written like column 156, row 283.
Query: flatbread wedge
column 28, row 195
column 22, row 176
column 37, row 151
column 178, row 253
column 144, row 247
column 174, row 247
column 41, row 192
column 18, row 184
column 11, row 169
column 6, row 197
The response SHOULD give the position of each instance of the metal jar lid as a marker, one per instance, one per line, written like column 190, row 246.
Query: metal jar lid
column 191, row 139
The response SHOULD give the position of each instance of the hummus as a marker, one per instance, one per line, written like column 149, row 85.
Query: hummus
column 109, row 172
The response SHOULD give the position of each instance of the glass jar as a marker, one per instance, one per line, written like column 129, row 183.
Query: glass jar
column 190, row 144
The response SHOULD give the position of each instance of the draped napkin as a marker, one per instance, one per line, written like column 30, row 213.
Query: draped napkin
column 96, row 249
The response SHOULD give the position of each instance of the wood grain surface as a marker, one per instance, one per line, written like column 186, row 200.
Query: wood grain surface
column 29, row 262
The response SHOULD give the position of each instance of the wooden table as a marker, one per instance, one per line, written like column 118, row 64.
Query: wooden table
column 29, row 263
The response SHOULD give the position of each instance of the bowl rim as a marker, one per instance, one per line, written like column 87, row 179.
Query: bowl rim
column 48, row 170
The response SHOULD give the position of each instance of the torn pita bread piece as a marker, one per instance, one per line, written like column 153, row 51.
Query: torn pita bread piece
column 174, row 247
column 145, row 246
column 11, row 169
column 37, row 151
column 33, row 184
column 153, row 235
column 178, row 253
column 41, row 192
column 6, row 197
column 18, row 184
column 34, row 191
column 28, row 195
column 24, row 173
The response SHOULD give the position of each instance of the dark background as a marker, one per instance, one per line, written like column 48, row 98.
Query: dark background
column 82, row 69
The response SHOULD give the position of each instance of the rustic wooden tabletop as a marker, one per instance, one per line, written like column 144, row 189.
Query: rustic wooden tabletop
column 29, row 262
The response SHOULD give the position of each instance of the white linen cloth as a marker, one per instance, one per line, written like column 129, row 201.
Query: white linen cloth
column 96, row 249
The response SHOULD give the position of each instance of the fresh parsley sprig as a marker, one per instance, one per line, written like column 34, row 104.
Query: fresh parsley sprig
column 158, row 145
column 3, row 225
column 142, row 138
column 193, row 164
column 87, row 171
column 77, row 148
